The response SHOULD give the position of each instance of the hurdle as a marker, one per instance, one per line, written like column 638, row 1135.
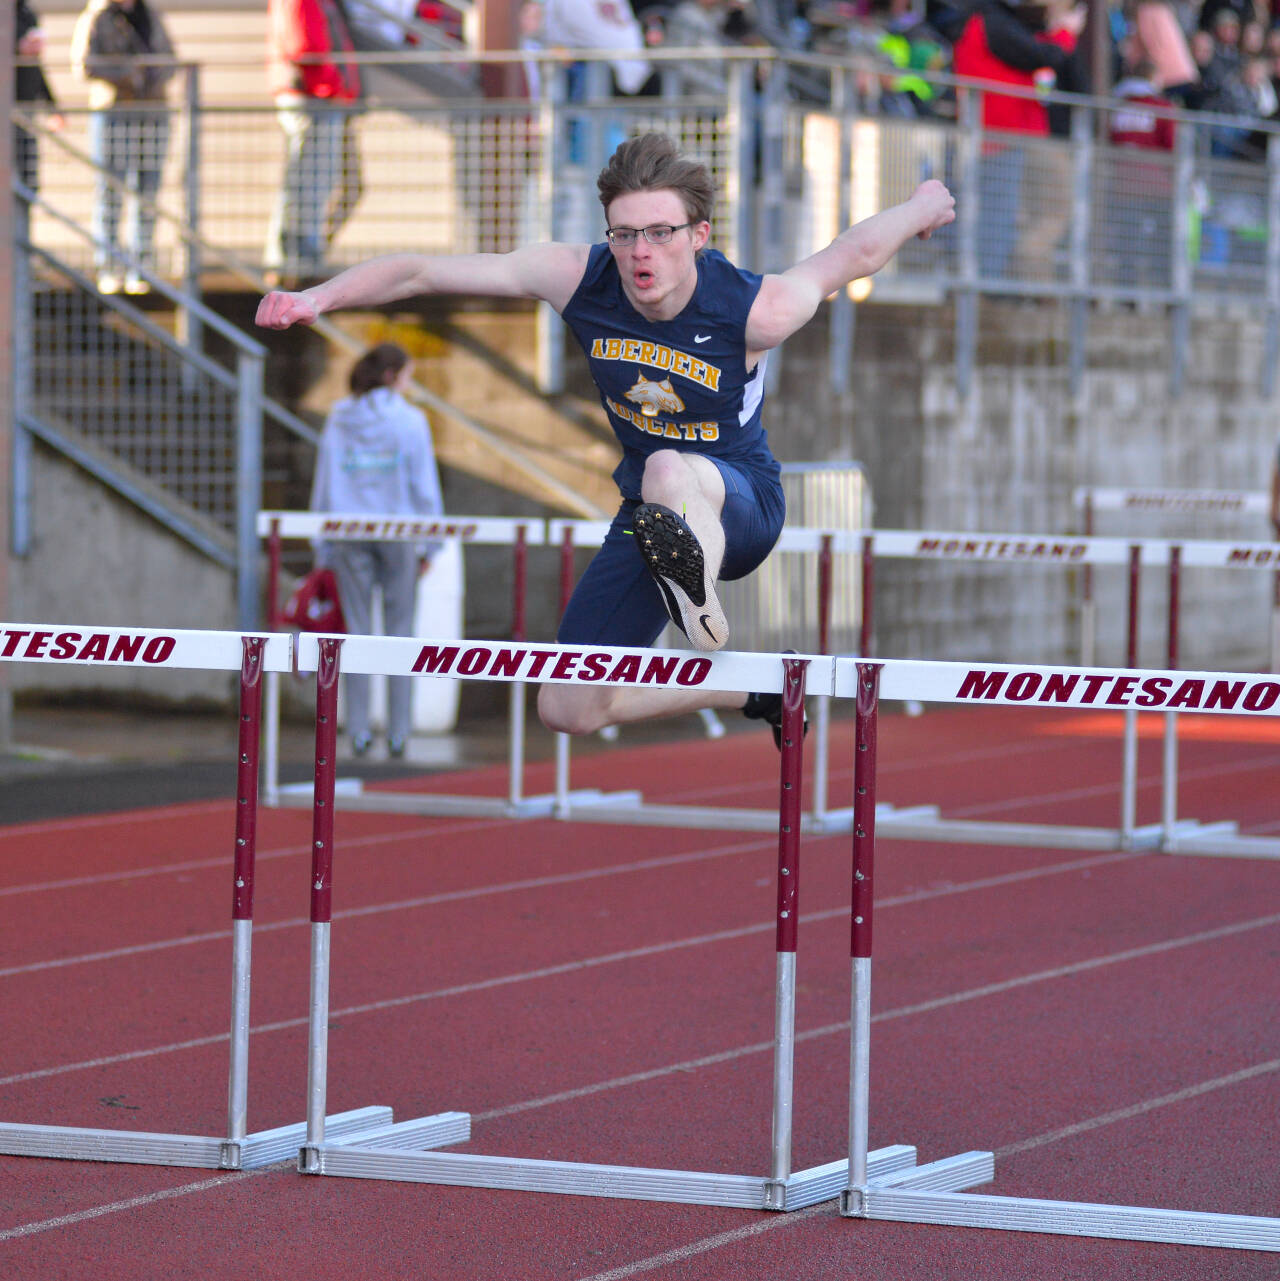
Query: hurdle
column 1068, row 552
column 1254, row 505
column 1222, row 838
column 1170, row 833
column 516, row 533
column 630, row 808
column 869, row 1196
column 251, row 656
column 405, row 1152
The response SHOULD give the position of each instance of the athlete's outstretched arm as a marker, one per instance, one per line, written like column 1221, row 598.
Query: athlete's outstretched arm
column 787, row 301
column 548, row 272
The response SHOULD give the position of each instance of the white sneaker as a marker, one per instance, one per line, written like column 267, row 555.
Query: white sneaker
column 135, row 284
column 109, row 283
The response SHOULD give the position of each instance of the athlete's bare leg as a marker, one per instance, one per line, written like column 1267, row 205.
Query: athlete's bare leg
column 574, row 710
column 692, row 487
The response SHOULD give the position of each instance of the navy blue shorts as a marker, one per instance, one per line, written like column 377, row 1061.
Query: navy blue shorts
column 616, row 601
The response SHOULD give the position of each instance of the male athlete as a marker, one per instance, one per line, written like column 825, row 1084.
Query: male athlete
column 677, row 338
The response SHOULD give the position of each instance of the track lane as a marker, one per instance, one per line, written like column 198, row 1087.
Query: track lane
column 590, row 1016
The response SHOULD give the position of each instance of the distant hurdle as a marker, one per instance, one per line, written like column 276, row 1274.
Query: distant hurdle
column 251, row 656
column 858, row 552
column 1093, row 501
column 406, row 1152
column 516, row 533
column 872, row 1196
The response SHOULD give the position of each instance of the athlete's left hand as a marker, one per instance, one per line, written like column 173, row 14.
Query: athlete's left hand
column 937, row 206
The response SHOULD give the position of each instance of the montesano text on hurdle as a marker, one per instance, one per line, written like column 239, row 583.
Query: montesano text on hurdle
column 531, row 664
column 1000, row 549
column 96, row 647
column 375, row 529
column 1116, row 689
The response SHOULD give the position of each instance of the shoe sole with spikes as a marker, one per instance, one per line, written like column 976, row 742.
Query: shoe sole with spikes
column 674, row 556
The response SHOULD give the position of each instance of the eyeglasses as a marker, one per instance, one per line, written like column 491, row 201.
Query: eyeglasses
column 659, row 234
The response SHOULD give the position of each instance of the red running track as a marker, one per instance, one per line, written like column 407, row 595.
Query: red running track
column 1104, row 1022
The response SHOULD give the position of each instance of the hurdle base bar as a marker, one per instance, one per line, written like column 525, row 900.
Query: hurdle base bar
column 349, row 794
column 136, row 1147
column 631, row 810
column 1061, row 1218
column 385, row 1157
column 915, row 822
column 925, row 823
column 1222, row 840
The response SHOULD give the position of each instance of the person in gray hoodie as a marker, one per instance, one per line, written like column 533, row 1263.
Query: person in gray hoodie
column 376, row 458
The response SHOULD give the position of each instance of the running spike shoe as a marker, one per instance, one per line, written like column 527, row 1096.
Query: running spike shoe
column 674, row 557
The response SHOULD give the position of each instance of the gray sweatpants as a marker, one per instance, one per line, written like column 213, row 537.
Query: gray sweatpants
column 360, row 568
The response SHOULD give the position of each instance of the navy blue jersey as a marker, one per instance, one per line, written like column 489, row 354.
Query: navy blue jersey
column 674, row 384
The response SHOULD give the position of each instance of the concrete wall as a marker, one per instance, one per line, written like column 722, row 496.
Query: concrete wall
column 1006, row 460
column 95, row 559
column 1009, row 458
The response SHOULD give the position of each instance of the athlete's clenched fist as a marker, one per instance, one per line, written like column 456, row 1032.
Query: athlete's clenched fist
column 279, row 310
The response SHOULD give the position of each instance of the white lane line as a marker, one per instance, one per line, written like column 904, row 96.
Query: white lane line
column 885, row 1016
column 150, row 814
column 541, row 882
column 292, row 851
column 768, row 1224
column 578, row 966
column 419, row 833
column 178, row 809
column 134, row 1202
column 1141, row 1109
column 401, row 905
column 693, row 1249
column 263, row 856
column 454, row 896
column 1145, row 782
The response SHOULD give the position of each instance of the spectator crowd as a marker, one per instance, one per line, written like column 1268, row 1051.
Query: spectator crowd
column 1220, row 56
column 1213, row 56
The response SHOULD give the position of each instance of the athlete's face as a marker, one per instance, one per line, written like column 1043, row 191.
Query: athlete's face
column 658, row 279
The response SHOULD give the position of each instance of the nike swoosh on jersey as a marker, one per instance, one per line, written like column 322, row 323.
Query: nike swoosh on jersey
column 702, row 338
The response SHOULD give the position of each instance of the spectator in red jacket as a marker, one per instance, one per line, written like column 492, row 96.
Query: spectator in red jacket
column 999, row 43
column 314, row 87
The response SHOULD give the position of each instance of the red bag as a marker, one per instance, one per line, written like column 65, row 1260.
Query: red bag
column 314, row 605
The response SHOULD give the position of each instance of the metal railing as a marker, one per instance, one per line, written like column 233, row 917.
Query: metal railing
column 1044, row 215
column 176, row 433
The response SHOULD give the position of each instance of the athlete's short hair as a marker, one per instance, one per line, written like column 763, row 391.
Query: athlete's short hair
column 652, row 162
column 380, row 366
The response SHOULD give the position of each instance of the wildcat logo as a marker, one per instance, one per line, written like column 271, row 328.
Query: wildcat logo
column 654, row 398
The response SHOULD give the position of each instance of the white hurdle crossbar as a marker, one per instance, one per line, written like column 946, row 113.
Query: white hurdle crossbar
column 251, row 656
column 869, row 1197
column 405, row 1152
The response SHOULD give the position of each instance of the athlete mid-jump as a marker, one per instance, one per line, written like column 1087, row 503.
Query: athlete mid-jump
column 677, row 338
